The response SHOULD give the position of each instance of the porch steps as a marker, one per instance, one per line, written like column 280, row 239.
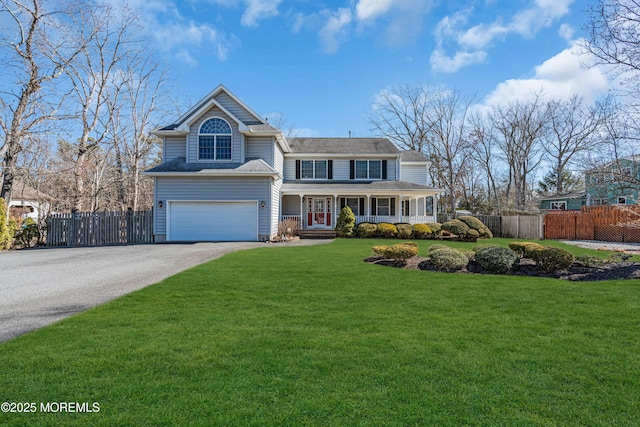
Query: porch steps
column 317, row 234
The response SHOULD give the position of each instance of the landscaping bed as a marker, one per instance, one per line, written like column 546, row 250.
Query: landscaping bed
column 527, row 267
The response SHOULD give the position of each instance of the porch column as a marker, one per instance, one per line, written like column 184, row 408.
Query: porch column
column 336, row 212
column 401, row 216
column 367, row 209
column 435, row 207
column 302, row 211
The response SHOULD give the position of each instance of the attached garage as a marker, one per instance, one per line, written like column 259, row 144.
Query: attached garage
column 212, row 221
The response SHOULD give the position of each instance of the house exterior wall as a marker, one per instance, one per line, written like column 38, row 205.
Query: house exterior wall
column 572, row 204
column 262, row 148
column 413, row 173
column 341, row 167
column 212, row 189
column 174, row 147
column 234, row 108
column 237, row 141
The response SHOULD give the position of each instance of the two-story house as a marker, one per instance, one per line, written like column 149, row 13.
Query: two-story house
column 228, row 175
column 615, row 183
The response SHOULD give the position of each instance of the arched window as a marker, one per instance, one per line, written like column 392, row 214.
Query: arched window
column 214, row 140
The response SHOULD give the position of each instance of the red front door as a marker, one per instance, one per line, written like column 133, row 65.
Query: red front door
column 319, row 212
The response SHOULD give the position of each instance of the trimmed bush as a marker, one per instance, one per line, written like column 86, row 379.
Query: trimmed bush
column 437, row 246
column 455, row 226
column 481, row 246
column 366, row 230
column 421, row 231
column 589, row 261
column 387, row 230
column 435, row 227
column 400, row 251
column 472, row 222
column 496, row 259
column 525, row 249
column 552, row 259
column 346, row 222
column 405, row 231
column 448, row 259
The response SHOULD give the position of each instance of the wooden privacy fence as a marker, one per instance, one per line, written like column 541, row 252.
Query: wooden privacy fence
column 607, row 223
column 100, row 228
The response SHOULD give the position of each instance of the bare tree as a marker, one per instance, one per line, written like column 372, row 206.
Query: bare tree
column 400, row 114
column 574, row 128
column 520, row 126
column 36, row 47
column 110, row 45
column 485, row 148
column 614, row 38
column 447, row 139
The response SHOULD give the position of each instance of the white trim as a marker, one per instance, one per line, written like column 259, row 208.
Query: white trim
column 184, row 127
column 215, row 147
column 352, row 156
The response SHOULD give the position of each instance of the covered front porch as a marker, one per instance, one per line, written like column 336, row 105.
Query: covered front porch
column 320, row 211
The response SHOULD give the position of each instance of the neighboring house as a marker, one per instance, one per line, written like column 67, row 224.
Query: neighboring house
column 569, row 201
column 616, row 183
column 227, row 175
column 27, row 202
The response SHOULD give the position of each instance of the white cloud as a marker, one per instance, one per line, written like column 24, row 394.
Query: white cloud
column 257, row 10
column 566, row 31
column 450, row 64
column 370, row 9
column 473, row 42
column 560, row 77
column 334, row 30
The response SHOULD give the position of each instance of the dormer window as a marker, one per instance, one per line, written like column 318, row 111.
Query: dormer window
column 214, row 140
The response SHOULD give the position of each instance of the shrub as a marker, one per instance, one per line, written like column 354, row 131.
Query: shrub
column 405, row 231
column 346, row 222
column 472, row 222
column 552, row 259
column 421, row 231
column 366, row 230
column 400, row 251
column 5, row 237
column 435, row 228
column 387, row 230
column 619, row 257
column 455, row 226
column 288, row 228
column 29, row 234
column 437, row 246
column 481, row 246
column 496, row 259
column 526, row 249
column 448, row 259
column 589, row 261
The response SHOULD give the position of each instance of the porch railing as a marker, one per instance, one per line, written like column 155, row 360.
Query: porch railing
column 411, row 219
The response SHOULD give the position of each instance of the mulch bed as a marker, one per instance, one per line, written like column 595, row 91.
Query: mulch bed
column 577, row 272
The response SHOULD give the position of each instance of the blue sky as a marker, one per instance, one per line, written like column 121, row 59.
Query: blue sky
column 320, row 64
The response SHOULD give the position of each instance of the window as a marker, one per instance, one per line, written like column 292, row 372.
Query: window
column 214, row 140
column 368, row 169
column 383, row 206
column 313, row 169
column 622, row 200
column 354, row 204
column 406, row 208
column 561, row 206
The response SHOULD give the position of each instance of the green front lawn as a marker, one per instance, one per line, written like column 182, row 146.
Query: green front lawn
column 315, row 336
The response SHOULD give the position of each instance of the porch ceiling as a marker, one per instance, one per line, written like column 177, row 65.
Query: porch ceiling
column 357, row 188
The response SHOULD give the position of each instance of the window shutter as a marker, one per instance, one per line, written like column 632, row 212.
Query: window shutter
column 330, row 169
column 384, row 170
column 343, row 203
column 352, row 169
column 361, row 206
column 393, row 206
column 297, row 169
column 374, row 208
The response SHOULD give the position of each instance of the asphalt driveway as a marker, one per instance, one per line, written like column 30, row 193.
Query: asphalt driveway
column 41, row 286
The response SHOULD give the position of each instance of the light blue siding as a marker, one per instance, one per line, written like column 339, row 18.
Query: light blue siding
column 236, row 109
column 174, row 147
column 261, row 148
column 212, row 189
column 413, row 173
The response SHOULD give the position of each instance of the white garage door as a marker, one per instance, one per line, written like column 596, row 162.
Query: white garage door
column 213, row 221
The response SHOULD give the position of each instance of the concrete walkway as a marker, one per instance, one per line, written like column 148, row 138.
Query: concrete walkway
column 605, row 246
column 42, row 286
